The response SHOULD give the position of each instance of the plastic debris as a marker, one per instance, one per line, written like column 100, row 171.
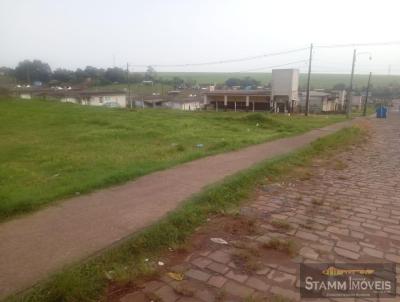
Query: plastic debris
column 219, row 240
column 160, row 263
column 200, row 145
column 176, row 276
column 109, row 275
column 146, row 260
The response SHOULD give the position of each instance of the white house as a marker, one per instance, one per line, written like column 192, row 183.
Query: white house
column 103, row 98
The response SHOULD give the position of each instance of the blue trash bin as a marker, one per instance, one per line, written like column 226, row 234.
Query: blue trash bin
column 381, row 112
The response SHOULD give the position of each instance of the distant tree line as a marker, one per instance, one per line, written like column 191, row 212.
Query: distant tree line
column 389, row 91
column 28, row 72
column 243, row 83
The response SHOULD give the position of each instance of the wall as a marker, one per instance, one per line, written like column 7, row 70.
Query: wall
column 69, row 100
column 25, row 96
column 184, row 106
column 101, row 100
column 356, row 101
column 285, row 82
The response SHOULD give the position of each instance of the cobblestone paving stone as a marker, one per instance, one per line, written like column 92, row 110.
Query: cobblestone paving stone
column 348, row 211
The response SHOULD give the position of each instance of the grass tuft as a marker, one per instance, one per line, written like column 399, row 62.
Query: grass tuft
column 281, row 224
column 287, row 246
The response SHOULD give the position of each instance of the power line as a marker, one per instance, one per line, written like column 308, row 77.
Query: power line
column 227, row 61
column 359, row 44
column 274, row 66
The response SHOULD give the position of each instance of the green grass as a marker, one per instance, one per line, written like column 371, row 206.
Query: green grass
column 87, row 281
column 50, row 150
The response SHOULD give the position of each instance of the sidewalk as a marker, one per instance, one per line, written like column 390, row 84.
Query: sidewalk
column 41, row 243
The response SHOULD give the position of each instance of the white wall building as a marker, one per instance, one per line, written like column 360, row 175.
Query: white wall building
column 96, row 98
column 188, row 105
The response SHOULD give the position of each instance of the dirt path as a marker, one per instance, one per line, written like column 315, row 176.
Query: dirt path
column 348, row 210
column 41, row 243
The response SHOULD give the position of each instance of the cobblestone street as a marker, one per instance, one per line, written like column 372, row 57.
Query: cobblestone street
column 346, row 210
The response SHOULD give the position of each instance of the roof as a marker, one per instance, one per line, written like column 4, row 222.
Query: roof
column 232, row 92
column 185, row 101
column 72, row 92
column 100, row 93
column 317, row 93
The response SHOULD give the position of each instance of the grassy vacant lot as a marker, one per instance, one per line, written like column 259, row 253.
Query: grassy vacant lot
column 50, row 150
column 89, row 282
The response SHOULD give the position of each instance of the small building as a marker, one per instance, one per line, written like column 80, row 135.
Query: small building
column 356, row 101
column 149, row 101
column 340, row 95
column 102, row 98
column 283, row 96
column 28, row 92
column 320, row 101
column 243, row 100
column 76, row 96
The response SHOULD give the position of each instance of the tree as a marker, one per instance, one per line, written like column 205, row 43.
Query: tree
column 339, row 86
column 80, row 76
column 9, row 72
column 63, row 75
column 30, row 71
column 177, row 82
column 115, row 75
column 249, row 82
column 150, row 74
column 243, row 83
column 233, row 82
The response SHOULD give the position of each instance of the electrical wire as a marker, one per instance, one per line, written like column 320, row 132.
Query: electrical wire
column 274, row 66
column 227, row 61
column 359, row 44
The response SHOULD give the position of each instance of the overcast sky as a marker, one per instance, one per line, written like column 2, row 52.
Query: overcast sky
column 77, row 33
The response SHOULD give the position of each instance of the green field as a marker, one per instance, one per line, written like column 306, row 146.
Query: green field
column 50, row 150
column 318, row 81
column 325, row 81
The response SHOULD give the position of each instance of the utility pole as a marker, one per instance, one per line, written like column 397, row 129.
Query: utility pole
column 129, row 84
column 28, row 74
column 350, row 94
column 366, row 97
column 308, row 82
